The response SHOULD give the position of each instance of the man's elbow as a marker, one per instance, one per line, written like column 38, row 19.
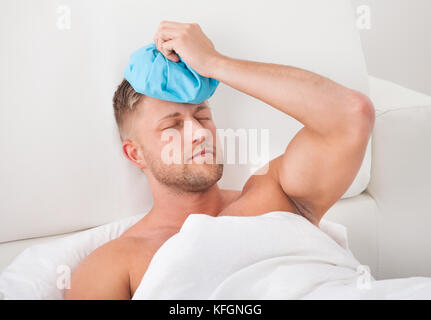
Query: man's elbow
column 362, row 117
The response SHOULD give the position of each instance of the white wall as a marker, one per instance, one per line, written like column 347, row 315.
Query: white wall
column 397, row 47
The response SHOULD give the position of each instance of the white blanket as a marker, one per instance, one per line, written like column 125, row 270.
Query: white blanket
column 278, row 255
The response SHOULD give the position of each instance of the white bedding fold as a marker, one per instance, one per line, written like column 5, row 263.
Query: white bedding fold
column 277, row 255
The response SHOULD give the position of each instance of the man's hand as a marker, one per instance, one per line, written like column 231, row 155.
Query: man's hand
column 189, row 42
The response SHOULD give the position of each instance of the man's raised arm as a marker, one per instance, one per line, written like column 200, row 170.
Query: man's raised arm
column 322, row 160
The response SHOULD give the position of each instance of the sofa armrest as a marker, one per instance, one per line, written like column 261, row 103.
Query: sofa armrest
column 401, row 179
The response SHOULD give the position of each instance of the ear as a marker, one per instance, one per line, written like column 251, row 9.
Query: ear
column 134, row 153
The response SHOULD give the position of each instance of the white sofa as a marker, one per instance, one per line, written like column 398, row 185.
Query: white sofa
column 388, row 224
column 62, row 170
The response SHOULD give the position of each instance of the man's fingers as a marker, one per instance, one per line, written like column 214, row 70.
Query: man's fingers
column 170, row 30
column 164, row 34
column 168, row 50
column 167, row 32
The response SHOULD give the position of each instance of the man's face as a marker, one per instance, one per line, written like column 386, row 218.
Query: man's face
column 163, row 130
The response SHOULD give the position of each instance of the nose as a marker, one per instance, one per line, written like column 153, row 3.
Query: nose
column 199, row 140
column 199, row 132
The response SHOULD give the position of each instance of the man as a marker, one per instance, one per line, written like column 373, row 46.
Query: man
column 316, row 169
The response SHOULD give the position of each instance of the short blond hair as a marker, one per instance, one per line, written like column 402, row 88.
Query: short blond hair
column 124, row 102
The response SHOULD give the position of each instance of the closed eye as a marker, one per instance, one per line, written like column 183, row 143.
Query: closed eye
column 178, row 123
column 172, row 126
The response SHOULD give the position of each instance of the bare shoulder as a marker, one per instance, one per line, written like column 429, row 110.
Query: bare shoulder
column 261, row 193
column 104, row 273
column 231, row 195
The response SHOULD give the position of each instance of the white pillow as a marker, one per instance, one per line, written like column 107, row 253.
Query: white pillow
column 41, row 271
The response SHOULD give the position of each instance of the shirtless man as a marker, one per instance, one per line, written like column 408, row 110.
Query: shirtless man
column 316, row 169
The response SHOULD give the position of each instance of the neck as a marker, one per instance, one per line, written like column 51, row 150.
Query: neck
column 172, row 208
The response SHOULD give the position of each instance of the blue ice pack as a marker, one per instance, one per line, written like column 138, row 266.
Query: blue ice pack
column 150, row 73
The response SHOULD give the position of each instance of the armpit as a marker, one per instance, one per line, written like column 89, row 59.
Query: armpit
column 305, row 212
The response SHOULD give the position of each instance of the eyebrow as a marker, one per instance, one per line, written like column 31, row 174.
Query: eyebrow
column 176, row 114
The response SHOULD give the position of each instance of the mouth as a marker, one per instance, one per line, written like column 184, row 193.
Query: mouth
column 201, row 153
